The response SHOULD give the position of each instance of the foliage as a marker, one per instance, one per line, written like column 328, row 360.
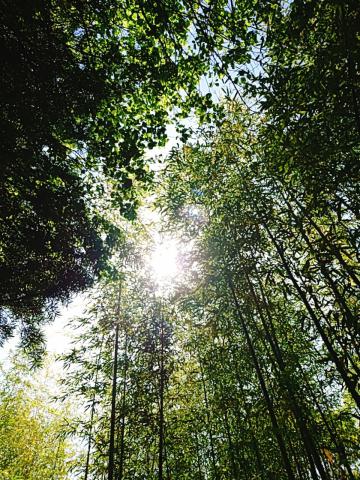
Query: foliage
column 264, row 250
column 84, row 89
column 205, row 388
column 31, row 441
column 125, row 320
column 251, row 368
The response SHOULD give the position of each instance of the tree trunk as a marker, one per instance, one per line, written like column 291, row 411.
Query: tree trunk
column 263, row 387
column 111, row 465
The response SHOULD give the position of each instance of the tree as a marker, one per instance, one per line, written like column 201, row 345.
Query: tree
column 251, row 249
column 250, row 369
column 85, row 88
column 32, row 445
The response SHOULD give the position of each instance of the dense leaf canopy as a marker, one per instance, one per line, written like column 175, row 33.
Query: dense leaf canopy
column 84, row 88
column 249, row 367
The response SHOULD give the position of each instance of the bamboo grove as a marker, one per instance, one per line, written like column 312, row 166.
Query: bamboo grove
column 247, row 366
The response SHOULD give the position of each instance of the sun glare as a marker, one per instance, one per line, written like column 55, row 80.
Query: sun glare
column 164, row 261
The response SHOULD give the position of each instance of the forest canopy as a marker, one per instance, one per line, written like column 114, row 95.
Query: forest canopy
column 246, row 365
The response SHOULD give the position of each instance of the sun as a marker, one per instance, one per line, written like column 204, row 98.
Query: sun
column 164, row 261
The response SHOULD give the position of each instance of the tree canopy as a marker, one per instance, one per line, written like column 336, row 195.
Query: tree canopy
column 84, row 88
column 248, row 366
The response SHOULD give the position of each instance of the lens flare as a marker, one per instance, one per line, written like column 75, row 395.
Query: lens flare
column 164, row 261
